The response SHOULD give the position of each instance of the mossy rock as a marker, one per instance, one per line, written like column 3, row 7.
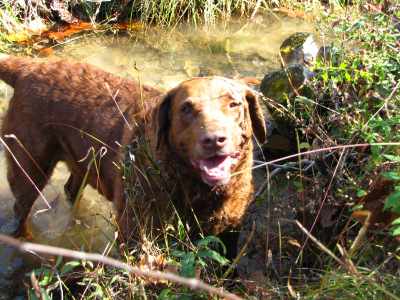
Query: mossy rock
column 277, row 86
column 300, row 48
column 285, row 125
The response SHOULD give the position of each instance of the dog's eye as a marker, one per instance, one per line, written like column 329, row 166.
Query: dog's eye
column 235, row 104
column 186, row 109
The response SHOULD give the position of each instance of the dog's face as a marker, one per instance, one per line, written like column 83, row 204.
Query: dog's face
column 208, row 121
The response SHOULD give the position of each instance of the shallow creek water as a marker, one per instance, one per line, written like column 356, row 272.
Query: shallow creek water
column 164, row 58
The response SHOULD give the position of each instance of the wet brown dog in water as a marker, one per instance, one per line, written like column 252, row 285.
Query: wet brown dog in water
column 190, row 147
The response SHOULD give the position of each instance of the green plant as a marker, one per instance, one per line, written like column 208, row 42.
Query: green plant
column 393, row 200
column 51, row 277
column 189, row 261
column 10, row 19
column 168, row 13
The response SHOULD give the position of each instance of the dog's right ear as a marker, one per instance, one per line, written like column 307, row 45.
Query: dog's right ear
column 161, row 116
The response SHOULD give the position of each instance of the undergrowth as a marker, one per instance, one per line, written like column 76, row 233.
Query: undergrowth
column 351, row 199
column 161, row 13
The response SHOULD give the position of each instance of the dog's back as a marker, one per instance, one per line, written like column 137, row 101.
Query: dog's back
column 64, row 110
column 12, row 68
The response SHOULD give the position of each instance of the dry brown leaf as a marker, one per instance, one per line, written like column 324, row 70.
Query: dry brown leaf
column 373, row 203
column 46, row 51
column 327, row 212
column 151, row 262
column 172, row 269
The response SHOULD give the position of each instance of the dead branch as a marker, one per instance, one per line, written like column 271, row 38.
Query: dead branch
column 280, row 168
column 192, row 283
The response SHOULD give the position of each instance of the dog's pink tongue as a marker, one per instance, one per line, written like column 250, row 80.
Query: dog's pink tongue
column 216, row 169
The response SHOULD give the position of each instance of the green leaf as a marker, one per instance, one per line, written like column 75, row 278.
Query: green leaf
column 208, row 239
column 393, row 199
column 213, row 255
column 211, row 239
column 200, row 262
column 361, row 193
column 392, row 175
column 392, row 157
column 178, row 253
column 175, row 263
column 42, row 272
column 325, row 77
column 304, row 145
column 343, row 65
column 396, row 208
column 396, row 222
column 163, row 294
column 348, row 77
column 396, row 231
column 298, row 185
column 59, row 259
column 337, row 29
column 358, row 207
column 188, row 269
column 387, row 130
column 114, row 279
column 37, row 272
column 260, row 199
column 69, row 266
column 33, row 297
column 303, row 100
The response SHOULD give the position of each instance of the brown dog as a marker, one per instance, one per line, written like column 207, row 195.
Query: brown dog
column 187, row 151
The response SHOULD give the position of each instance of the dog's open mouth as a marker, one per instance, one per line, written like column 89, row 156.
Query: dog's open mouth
column 216, row 170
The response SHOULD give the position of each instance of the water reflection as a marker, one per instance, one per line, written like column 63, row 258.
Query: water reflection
column 164, row 59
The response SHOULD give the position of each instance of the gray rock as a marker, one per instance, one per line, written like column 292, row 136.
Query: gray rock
column 299, row 48
column 277, row 86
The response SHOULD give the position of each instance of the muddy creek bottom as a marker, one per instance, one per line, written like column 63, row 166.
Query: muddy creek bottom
column 90, row 228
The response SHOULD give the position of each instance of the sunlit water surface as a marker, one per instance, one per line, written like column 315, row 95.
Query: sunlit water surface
column 163, row 58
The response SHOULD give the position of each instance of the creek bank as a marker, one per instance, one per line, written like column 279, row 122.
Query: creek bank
column 279, row 198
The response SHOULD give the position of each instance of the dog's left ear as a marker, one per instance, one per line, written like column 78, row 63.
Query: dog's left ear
column 161, row 116
column 256, row 115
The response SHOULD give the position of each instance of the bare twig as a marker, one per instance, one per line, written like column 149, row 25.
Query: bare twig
column 192, row 283
column 289, row 165
column 320, row 150
column 22, row 169
column 279, row 169
column 348, row 264
column 385, row 105
column 114, row 97
column 318, row 243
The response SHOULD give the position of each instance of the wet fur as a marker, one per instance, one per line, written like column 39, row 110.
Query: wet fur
column 62, row 108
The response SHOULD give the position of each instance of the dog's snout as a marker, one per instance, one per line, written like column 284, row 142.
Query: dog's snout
column 214, row 140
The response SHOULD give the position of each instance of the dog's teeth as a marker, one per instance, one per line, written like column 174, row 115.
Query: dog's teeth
column 206, row 170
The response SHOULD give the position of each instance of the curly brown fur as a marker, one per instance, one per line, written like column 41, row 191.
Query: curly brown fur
column 199, row 132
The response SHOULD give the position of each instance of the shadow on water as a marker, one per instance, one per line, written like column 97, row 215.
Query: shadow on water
column 164, row 58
